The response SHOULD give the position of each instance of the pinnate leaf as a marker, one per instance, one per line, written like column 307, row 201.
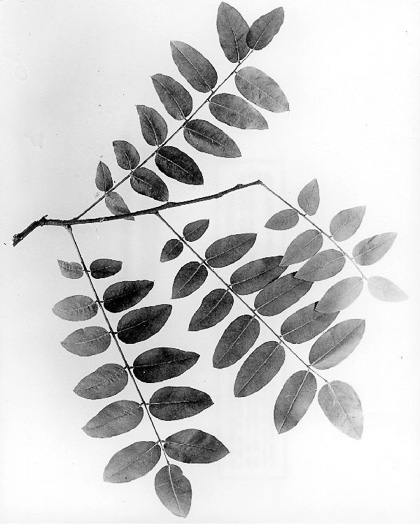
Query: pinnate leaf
column 294, row 400
column 189, row 279
column 259, row 368
column 194, row 67
column 178, row 402
column 176, row 99
column 108, row 380
column 102, row 268
column 146, row 182
column 194, row 446
column 308, row 198
column 125, row 294
column 237, row 112
column 261, row 90
column 264, row 29
column 139, row 325
column 71, row 270
column 103, row 179
column 87, row 341
column 214, row 308
column 153, row 125
column 336, row 344
column 76, row 308
column 116, row 205
column 283, row 220
column 174, row 490
column 385, row 290
column 172, row 249
column 160, row 364
column 280, row 294
column 177, row 165
column 346, row 222
column 342, row 406
column 232, row 30
column 340, row 295
column 132, row 462
column 236, row 340
column 305, row 324
column 304, row 246
column 115, row 419
column 322, row 266
column 229, row 249
column 255, row 275
column 194, row 230
column 208, row 138
column 126, row 154
column 372, row 249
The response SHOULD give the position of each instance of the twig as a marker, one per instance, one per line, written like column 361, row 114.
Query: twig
column 149, row 211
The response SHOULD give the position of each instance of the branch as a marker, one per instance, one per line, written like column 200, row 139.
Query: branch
column 149, row 211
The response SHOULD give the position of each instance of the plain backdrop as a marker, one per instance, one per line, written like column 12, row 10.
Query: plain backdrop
column 71, row 73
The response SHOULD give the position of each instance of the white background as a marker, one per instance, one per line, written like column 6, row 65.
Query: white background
column 71, row 74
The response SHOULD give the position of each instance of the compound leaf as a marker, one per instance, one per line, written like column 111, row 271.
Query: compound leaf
column 76, row 308
column 71, row 270
column 336, row 344
column 108, row 380
column 132, row 462
column 174, row 490
column 87, row 341
column 229, row 249
column 283, row 220
column 237, row 112
column 194, row 230
column 102, row 268
column 126, row 154
column 385, row 290
column 172, row 249
column 305, row 324
column 255, row 275
column 177, row 165
column 160, row 364
column 294, row 400
column 139, row 325
column 372, row 249
column 261, row 90
column 322, row 266
column 194, row 67
column 146, row 182
column 304, row 246
column 340, row 295
column 103, row 179
column 342, row 406
column 153, row 125
column 236, row 340
column 125, row 294
column 214, row 308
column 189, row 279
column 280, row 294
column 176, row 99
column 259, row 368
column 264, row 29
column 178, row 402
column 232, row 30
column 116, row 205
column 308, row 198
column 346, row 222
column 208, row 138
column 115, row 419
column 194, row 446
